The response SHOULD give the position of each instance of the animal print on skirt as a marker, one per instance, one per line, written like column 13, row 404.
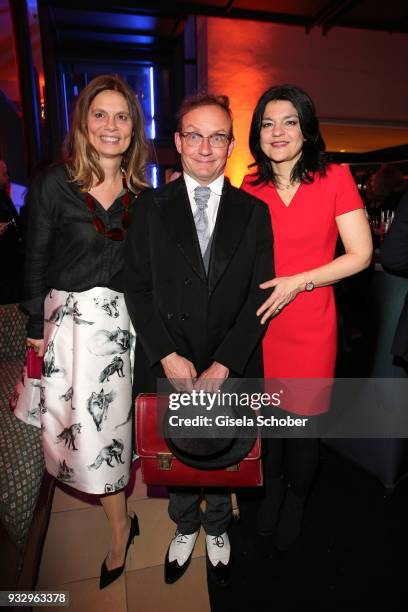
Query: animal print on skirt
column 83, row 402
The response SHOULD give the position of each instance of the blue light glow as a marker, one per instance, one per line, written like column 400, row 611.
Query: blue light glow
column 154, row 176
column 17, row 194
column 32, row 6
column 64, row 87
column 152, row 110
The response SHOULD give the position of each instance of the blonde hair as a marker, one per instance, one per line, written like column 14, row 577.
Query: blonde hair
column 81, row 157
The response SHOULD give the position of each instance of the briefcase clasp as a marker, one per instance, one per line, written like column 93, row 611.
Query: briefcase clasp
column 164, row 461
column 233, row 468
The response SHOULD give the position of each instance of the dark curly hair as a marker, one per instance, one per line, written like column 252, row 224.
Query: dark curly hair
column 313, row 158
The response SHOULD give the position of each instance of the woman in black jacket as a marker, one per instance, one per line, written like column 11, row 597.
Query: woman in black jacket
column 78, row 217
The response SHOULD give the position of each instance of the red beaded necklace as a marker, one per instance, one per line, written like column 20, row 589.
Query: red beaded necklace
column 117, row 233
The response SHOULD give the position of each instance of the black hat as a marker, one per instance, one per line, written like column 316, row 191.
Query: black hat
column 206, row 445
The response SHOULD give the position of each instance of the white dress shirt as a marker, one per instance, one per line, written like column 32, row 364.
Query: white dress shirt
column 213, row 202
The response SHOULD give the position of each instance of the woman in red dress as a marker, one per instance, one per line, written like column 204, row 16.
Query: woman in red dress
column 311, row 202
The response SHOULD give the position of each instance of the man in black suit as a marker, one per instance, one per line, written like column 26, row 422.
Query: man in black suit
column 197, row 250
column 394, row 257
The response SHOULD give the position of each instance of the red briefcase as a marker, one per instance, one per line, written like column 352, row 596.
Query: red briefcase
column 161, row 467
column 34, row 364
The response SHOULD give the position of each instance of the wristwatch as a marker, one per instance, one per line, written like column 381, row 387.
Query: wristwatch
column 309, row 286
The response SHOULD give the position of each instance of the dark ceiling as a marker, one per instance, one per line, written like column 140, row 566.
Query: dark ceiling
column 155, row 24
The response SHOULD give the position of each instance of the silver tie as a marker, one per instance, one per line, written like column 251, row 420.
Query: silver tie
column 201, row 197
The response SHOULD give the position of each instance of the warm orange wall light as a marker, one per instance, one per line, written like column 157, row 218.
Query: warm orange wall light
column 244, row 58
column 41, row 82
column 240, row 159
column 243, row 100
column 233, row 69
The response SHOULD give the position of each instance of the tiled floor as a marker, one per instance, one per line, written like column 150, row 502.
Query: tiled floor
column 78, row 540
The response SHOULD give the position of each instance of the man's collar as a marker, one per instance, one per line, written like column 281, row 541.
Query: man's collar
column 216, row 186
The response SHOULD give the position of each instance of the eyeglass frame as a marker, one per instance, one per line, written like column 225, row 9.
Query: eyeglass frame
column 202, row 138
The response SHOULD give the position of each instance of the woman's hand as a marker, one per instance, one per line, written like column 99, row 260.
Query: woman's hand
column 285, row 289
column 37, row 345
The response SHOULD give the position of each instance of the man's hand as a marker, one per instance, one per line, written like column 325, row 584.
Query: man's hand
column 179, row 371
column 37, row 345
column 212, row 378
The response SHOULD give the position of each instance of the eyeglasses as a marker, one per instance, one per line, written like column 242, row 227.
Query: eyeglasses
column 194, row 139
column 116, row 233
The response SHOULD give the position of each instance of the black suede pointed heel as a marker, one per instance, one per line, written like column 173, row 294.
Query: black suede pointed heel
column 109, row 576
column 290, row 523
column 268, row 511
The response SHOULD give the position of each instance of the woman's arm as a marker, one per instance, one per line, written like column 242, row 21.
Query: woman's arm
column 355, row 233
column 40, row 236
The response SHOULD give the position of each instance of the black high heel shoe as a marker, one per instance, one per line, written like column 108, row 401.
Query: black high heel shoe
column 109, row 576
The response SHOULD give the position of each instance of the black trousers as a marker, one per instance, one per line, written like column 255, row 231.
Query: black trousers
column 296, row 458
column 184, row 509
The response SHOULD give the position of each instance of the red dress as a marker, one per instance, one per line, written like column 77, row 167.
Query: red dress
column 301, row 341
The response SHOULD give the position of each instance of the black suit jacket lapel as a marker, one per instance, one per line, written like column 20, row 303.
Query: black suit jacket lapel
column 178, row 219
column 232, row 219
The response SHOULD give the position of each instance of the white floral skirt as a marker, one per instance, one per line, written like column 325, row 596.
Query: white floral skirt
column 83, row 402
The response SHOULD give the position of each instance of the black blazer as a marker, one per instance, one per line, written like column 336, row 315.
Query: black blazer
column 173, row 305
column 394, row 257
